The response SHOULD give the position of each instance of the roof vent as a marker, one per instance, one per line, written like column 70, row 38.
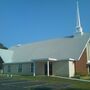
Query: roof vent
column 72, row 36
column 18, row 45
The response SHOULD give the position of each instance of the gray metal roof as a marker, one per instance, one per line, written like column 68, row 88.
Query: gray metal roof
column 6, row 55
column 60, row 49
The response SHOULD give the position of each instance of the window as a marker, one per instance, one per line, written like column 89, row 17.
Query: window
column 20, row 68
column 9, row 68
column 31, row 67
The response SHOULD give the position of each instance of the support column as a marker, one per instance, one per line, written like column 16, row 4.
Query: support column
column 34, row 69
column 47, row 68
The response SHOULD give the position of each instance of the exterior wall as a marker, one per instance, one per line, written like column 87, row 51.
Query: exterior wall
column 71, row 69
column 88, row 56
column 26, row 69
column 39, row 68
column 61, row 68
column 81, row 65
column 13, row 68
column 88, row 51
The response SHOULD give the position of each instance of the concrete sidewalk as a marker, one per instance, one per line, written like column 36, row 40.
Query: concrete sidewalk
column 82, row 80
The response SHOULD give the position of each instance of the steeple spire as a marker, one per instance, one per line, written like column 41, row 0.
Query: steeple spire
column 78, row 25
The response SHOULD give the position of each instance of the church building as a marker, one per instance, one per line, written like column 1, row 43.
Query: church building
column 66, row 56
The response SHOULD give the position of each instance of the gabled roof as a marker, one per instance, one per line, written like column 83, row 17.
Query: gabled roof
column 6, row 55
column 60, row 49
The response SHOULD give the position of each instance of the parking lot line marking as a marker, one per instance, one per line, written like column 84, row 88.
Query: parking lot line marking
column 15, row 82
column 5, row 80
column 36, row 85
column 11, row 85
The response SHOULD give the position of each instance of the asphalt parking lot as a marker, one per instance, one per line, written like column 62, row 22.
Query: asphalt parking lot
column 12, row 84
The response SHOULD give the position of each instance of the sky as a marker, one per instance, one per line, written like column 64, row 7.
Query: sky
column 28, row 21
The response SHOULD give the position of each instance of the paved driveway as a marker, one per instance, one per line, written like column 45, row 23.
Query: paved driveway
column 11, row 84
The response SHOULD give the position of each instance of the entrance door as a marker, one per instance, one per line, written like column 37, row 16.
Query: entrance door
column 50, row 68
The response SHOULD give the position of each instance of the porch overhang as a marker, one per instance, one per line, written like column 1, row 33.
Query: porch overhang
column 47, row 60
column 68, row 59
column 88, row 63
column 44, row 59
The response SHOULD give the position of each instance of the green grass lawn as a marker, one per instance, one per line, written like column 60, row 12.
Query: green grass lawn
column 73, row 85
column 55, row 83
column 85, row 77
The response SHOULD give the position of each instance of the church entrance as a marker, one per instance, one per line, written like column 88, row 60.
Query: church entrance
column 50, row 68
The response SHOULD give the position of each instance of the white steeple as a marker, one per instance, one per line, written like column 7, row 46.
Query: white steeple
column 79, row 29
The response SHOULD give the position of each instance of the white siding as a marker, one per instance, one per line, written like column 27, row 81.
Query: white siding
column 61, row 68
column 39, row 68
column 13, row 68
column 26, row 69
column 88, row 51
column 71, row 69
